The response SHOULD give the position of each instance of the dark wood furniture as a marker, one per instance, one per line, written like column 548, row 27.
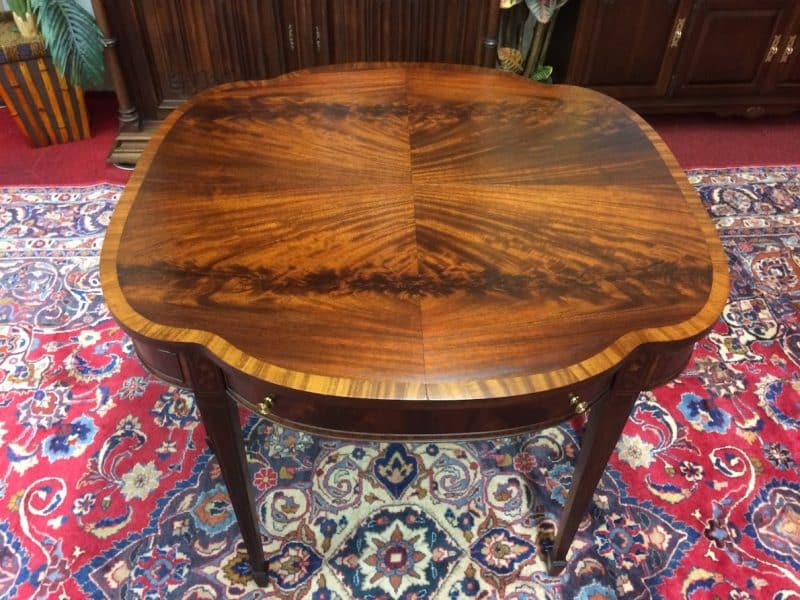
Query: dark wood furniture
column 723, row 56
column 405, row 251
column 172, row 49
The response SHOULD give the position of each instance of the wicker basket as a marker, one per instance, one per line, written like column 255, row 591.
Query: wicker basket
column 44, row 106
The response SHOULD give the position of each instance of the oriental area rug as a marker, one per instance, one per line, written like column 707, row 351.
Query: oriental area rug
column 107, row 488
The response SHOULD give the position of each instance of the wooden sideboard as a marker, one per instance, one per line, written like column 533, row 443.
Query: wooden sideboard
column 169, row 50
column 722, row 56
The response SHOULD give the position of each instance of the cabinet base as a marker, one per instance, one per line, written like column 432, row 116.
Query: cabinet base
column 750, row 108
column 129, row 144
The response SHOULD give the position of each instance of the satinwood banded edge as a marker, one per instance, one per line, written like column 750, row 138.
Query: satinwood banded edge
column 603, row 361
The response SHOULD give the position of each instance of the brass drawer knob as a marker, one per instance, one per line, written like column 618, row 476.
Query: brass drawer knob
column 576, row 402
column 265, row 406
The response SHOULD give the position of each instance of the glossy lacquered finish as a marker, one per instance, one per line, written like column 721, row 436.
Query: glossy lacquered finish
column 399, row 251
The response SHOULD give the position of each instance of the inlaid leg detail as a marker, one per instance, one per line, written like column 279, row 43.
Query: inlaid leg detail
column 220, row 417
column 603, row 430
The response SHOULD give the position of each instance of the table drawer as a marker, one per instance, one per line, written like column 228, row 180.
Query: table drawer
column 385, row 419
column 164, row 364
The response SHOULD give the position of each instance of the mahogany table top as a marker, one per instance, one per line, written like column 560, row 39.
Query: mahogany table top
column 411, row 232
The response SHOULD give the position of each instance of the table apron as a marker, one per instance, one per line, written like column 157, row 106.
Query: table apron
column 358, row 418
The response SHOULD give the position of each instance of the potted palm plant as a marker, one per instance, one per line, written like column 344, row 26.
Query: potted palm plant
column 57, row 52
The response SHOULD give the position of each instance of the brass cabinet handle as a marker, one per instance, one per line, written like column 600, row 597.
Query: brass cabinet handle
column 787, row 52
column 317, row 39
column 678, row 33
column 576, row 402
column 290, row 31
column 265, row 406
column 773, row 49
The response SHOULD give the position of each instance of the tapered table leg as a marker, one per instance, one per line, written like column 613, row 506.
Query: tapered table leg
column 603, row 430
column 220, row 417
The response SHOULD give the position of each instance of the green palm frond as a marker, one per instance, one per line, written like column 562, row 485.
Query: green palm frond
column 20, row 7
column 73, row 39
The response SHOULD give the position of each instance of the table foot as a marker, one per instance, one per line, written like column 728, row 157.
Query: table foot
column 554, row 567
column 553, row 564
column 261, row 576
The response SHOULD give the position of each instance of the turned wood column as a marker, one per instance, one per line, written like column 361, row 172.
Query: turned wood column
column 128, row 115
column 491, row 39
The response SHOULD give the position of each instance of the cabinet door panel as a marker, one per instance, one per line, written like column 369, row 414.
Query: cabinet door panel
column 460, row 30
column 785, row 73
column 788, row 75
column 411, row 30
column 191, row 46
column 395, row 35
column 627, row 47
column 288, row 20
column 347, row 37
column 448, row 32
column 728, row 47
column 261, row 44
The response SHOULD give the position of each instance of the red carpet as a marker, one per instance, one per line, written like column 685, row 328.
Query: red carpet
column 698, row 141
column 708, row 141
column 77, row 163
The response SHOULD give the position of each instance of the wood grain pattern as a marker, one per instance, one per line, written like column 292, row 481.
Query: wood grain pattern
column 668, row 56
column 412, row 232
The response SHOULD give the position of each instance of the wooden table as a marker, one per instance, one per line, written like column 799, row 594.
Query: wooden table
column 411, row 251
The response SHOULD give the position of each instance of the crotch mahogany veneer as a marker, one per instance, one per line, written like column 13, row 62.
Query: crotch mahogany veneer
column 411, row 251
